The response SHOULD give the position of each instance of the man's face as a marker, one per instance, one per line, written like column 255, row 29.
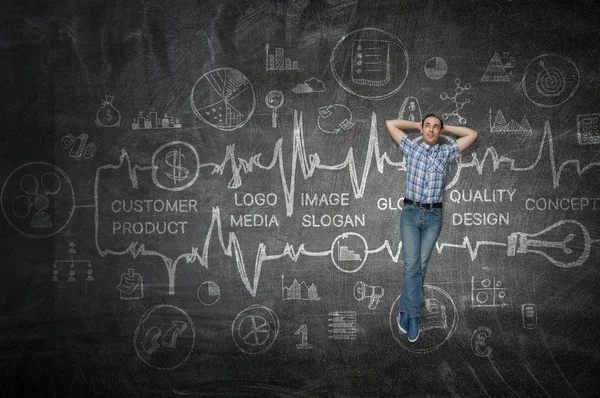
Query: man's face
column 431, row 130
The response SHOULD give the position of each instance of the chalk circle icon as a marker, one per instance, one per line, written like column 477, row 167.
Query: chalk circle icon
column 208, row 293
column 436, row 68
column 349, row 252
column 550, row 80
column 437, row 323
column 223, row 98
column 370, row 63
column 164, row 337
column 37, row 199
column 255, row 329
column 175, row 166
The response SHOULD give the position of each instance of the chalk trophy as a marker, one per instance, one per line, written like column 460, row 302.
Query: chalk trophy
column 374, row 293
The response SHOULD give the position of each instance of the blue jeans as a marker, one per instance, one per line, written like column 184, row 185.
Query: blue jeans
column 419, row 229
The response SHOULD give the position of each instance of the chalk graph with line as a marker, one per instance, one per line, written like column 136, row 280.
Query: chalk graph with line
column 518, row 243
column 309, row 163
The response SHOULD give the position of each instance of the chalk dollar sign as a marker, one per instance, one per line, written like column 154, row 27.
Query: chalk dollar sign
column 173, row 159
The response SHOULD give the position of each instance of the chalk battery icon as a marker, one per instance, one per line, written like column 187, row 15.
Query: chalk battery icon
column 529, row 315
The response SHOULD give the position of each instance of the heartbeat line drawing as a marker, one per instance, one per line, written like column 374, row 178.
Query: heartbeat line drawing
column 312, row 162
column 518, row 242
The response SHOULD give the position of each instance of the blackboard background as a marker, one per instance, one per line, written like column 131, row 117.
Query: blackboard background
column 59, row 60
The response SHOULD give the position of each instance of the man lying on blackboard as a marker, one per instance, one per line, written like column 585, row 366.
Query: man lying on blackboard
column 421, row 220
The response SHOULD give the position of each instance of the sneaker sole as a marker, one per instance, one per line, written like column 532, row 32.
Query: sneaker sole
column 412, row 341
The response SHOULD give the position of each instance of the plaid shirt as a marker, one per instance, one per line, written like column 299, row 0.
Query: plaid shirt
column 426, row 169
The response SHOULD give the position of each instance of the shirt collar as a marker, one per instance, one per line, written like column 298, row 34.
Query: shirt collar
column 428, row 147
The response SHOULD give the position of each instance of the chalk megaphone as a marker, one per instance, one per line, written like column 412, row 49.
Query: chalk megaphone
column 374, row 293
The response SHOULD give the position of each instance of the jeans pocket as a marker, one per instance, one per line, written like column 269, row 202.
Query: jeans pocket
column 437, row 211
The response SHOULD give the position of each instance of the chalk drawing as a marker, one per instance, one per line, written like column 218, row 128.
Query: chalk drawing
column 378, row 63
column 208, row 293
column 529, row 315
column 566, row 253
column 373, row 293
column 299, row 291
column 435, row 68
column 439, row 320
column 131, row 286
column 342, row 325
column 108, row 115
column 312, row 85
column 71, row 264
column 500, row 125
column 334, row 118
column 410, row 110
column 349, row 252
column 303, row 332
column 274, row 100
column 175, row 166
column 550, row 80
column 479, row 343
column 255, row 329
column 223, row 98
column 37, row 199
column 278, row 61
column 309, row 163
column 458, row 105
column 487, row 293
column 78, row 147
column 164, row 337
column 495, row 71
column 151, row 121
column 588, row 129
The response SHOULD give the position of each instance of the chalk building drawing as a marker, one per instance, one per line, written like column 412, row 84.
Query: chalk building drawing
column 299, row 291
column 151, row 121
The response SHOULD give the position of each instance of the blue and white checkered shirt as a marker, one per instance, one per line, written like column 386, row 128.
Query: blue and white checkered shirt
column 426, row 169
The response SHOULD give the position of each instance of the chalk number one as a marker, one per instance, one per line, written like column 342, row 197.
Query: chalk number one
column 303, row 330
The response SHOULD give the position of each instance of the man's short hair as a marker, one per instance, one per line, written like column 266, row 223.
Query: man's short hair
column 434, row 115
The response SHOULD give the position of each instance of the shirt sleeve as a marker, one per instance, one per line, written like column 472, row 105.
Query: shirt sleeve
column 406, row 146
column 453, row 151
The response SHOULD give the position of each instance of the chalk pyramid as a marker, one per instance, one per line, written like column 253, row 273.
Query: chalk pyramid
column 495, row 71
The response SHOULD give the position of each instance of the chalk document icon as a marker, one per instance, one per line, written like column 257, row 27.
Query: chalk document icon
column 164, row 337
column 223, row 98
column 370, row 63
column 37, row 199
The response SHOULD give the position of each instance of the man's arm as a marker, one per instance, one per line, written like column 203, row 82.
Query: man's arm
column 466, row 136
column 395, row 128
